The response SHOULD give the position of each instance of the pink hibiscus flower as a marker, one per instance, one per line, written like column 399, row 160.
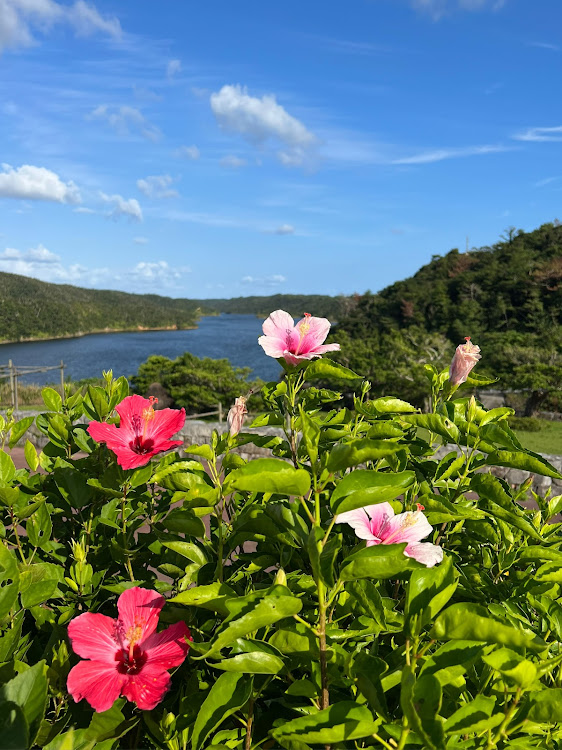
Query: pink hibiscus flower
column 379, row 525
column 295, row 343
column 236, row 415
column 125, row 656
column 465, row 358
column 142, row 432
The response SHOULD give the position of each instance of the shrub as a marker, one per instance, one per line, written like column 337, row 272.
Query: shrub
column 310, row 580
column 525, row 424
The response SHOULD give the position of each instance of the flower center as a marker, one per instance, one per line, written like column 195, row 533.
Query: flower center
column 130, row 661
column 304, row 328
column 140, row 444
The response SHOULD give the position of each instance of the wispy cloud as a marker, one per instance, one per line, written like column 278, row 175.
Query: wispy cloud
column 125, row 119
column 173, row 68
column 119, row 206
column 157, row 186
column 540, row 134
column 284, row 229
column 546, row 181
column 545, row 45
column 428, row 157
column 20, row 20
column 232, row 162
column 187, row 152
column 437, row 9
column 348, row 46
column 264, row 281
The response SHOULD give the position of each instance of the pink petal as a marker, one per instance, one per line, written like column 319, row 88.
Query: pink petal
column 148, row 687
column 139, row 610
column 316, row 331
column 323, row 348
column 381, row 515
column 93, row 636
column 294, row 359
column 359, row 522
column 425, row 552
column 278, row 324
column 169, row 648
column 164, row 424
column 272, row 346
column 411, row 526
column 97, row 682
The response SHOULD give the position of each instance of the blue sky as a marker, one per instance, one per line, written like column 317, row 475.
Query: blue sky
column 220, row 149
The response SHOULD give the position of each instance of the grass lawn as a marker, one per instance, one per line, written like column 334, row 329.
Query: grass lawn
column 548, row 440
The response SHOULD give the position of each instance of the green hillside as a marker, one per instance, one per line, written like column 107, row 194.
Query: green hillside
column 296, row 304
column 36, row 309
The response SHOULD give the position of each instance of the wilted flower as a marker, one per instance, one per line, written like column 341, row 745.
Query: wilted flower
column 236, row 415
column 379, row 525
column 142, row 432
column 295, row 343
column 464, row 359
column 125, row 656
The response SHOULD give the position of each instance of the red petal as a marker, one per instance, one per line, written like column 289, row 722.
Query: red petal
column 147, row 688
column 97, row 682
column 93, row 636
column 129, row 407
column 139, row 610
column 169, row 648
column 108, row 433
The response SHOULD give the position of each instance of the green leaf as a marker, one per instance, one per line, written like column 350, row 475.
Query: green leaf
column 52, row 399
column 19, row 429
column 420, row 700
column 13, row 727
column 7, row 467
column 528, row 461
column 435, row 423
column 391, row 405
column 39, row 527
column 369, row 599
column 253, row 663
column 110, row 724
column 512, row 667
column 266, row 611
column 204, row 450
column 31, row 456
column 471, row 622
column 550, row 572
column 494, row 415
column 341, row 722
column 475, row 716
column 345, row 455
column 213, row 597
column 327, row 369
column 363, row 487
column 230, row 692
column 9, row 581
column 189, row 550
column 546, row 706
column 270, row 475
column 429, row 590
column 185, row 521
column 310, row 433
column 28, row 690
column 379, row 561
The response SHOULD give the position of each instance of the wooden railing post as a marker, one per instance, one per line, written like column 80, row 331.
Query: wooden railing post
column 220, row 413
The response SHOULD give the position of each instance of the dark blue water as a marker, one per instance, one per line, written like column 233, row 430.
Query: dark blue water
column 234, row 337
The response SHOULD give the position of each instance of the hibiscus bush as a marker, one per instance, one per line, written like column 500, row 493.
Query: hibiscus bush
column 367, row 583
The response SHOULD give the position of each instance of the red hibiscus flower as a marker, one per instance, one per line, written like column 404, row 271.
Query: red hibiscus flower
column 142, row 432
column 125, row 656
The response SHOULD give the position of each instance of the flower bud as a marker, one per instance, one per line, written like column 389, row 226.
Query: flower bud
column 235, row 418
column 471, row 409
column 466, row 356
column 281, row 578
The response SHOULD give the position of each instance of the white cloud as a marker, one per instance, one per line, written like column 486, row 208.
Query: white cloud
column 439, row 8
column 188, row 152
column 428, row 157
column 19, row 19
column 41, row 263
column 36, row 183
column 157, row 186
column 159, row 271
column 259, row 120
column 122, row 207
column 232, row 162
column 545, row 45
column 174, row 67
column 125, row 119
column 141, row 240
column 84, row 210
column 546, row 181
column 285, row 229
column 540, row 134
column 269, row 281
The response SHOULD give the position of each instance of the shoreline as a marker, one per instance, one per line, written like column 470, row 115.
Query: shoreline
column 81, row 334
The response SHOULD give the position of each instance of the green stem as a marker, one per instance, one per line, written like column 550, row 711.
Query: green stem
column 124, row 532
column 15, row 530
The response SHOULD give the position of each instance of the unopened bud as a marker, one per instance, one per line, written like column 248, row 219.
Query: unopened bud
column 236, row 415
column 78, row 551
column 471, row 409
column 466, row 356
column 281, row 578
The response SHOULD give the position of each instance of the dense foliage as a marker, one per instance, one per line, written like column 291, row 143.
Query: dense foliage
column 196, row 384
column 295, row 304
column 508, row 297
column 303, row 636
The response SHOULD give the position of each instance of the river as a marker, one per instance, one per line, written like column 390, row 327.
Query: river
column 234, row 337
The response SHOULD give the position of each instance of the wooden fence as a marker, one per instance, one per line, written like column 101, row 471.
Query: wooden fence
column 13, row 372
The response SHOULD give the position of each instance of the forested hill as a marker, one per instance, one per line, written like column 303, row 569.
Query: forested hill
column 512, row 286
column 320, row 305
column 36, row 309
